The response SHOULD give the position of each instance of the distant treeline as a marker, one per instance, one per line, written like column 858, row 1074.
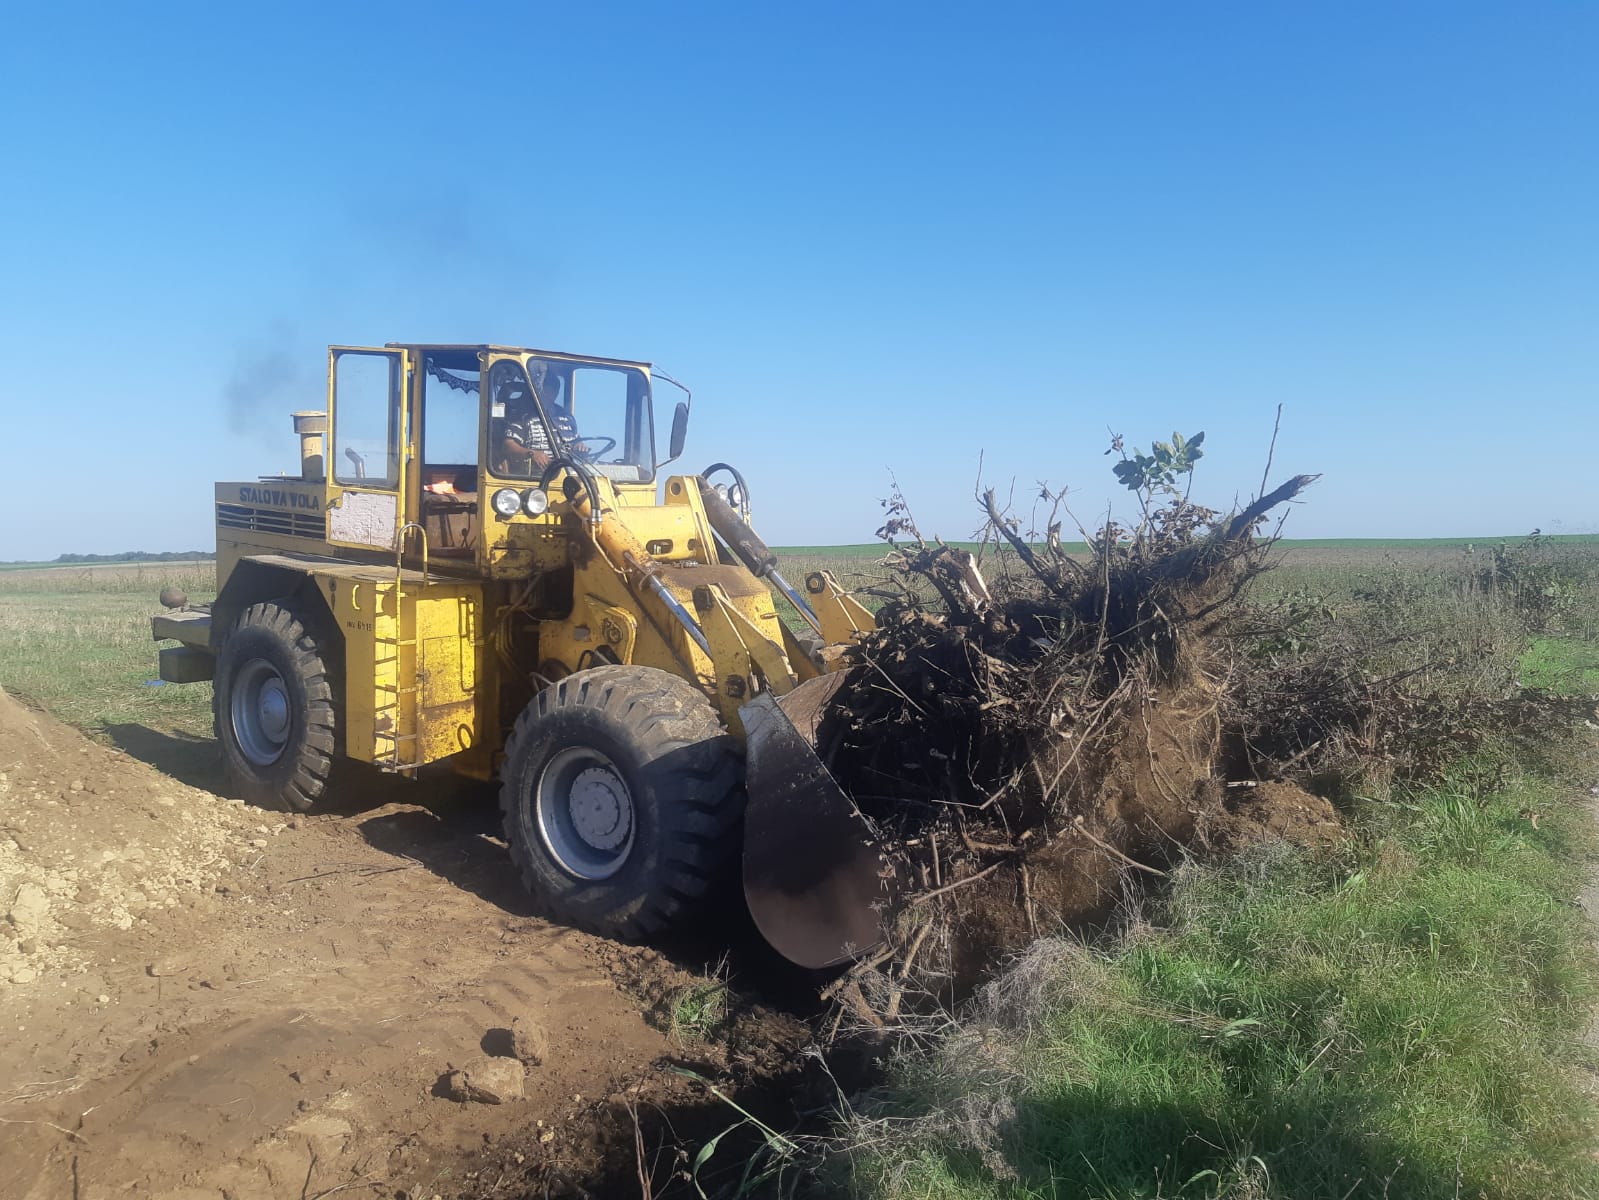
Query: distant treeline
column 137, row 556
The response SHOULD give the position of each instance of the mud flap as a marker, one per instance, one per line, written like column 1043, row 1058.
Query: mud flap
column 815, row 881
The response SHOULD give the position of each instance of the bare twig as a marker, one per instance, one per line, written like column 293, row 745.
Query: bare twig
column 960, row 883
column 1272, row 450
column 891, row 1009
column 1077, row 825
column 852, row 996
column 977, row 847
column 645, row 1191
column 370, row 1181
column 860, row 968
column 358, row 870
column 1027, row 900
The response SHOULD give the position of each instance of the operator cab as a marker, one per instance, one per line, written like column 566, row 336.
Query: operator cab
column 597, row 414
column 457, row 442
column 486, row 414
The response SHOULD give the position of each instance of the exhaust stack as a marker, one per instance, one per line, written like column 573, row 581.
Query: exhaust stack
column 311, row 426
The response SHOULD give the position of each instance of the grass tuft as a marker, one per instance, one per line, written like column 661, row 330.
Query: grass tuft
column 700, row 1011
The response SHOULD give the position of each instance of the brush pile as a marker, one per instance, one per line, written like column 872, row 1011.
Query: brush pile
column 1022, row 746
column 1035, row 735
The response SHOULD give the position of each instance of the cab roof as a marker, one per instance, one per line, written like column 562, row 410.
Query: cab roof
column 463, row 348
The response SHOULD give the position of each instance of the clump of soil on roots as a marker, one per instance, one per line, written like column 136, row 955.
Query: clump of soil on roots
column 1029, row 748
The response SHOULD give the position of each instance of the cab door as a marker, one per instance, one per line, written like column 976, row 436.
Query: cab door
column 368, row 403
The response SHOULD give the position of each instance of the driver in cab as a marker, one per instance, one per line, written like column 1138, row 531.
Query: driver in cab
column 520, row 441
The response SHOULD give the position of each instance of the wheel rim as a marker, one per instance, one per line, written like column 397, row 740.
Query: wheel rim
column 262, row 715
column 585, row 813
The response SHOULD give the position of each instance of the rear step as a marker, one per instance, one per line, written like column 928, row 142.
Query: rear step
column 192, row 662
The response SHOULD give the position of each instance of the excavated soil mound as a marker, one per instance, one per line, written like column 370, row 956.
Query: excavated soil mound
column 200, row 999
column 1238, row 815
column 93, row 844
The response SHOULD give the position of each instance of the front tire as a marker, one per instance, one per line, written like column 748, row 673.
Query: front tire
column 621, row 800
column 273, row 710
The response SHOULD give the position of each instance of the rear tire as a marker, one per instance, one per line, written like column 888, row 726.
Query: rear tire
column 273, row 710
column 621, row 800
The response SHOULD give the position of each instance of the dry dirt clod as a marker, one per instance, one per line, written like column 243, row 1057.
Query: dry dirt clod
column 486, row 1080
column 28, row 909
column 530, row 1041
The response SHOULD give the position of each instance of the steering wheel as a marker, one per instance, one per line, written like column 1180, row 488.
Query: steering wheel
column 588, row 453
column 737, row 493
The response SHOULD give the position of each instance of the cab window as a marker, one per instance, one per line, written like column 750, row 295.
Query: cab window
column 608, row 408
column 520, row 445
column 449, row 409
column 366, row 418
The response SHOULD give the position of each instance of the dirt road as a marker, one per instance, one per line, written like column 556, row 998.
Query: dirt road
column 200, row 999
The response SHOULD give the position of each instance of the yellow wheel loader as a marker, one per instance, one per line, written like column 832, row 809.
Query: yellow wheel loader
column 480, row 564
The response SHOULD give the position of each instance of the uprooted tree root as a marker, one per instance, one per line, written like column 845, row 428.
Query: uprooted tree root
column 1023, row 750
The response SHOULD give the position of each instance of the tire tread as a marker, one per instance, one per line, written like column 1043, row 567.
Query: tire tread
column 301, row 786
column 662, row 714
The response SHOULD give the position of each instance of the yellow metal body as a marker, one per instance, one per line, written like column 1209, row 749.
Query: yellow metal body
column 451, row 616
column 411, row 664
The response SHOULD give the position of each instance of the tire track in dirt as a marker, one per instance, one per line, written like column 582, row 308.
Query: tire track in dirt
column 201, row 999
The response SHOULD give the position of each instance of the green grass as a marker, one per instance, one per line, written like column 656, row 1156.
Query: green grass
column 1401, row 1019
column 1564, row 665
column 83, row 650
column 147, row 579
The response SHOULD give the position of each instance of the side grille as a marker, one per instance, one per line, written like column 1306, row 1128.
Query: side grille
column 273, row 520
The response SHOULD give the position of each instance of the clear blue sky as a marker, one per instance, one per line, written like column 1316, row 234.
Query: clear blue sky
column 870, row 237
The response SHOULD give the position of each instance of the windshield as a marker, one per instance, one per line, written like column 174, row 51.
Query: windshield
column 596, row 413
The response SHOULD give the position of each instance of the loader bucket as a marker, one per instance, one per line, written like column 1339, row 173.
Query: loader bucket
column 816, row 883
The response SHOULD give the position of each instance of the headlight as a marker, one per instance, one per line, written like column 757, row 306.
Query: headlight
column 534, row 502
column 506, row 502
column 721, row 490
